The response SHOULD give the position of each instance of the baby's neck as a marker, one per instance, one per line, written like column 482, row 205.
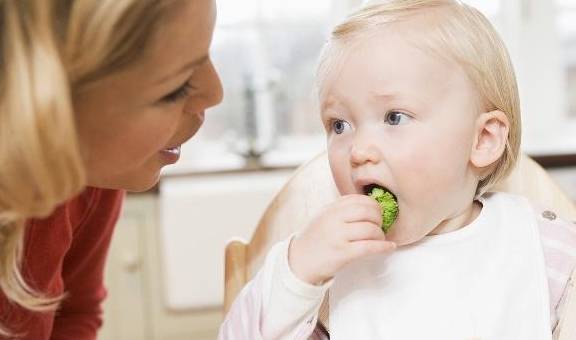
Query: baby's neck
column 459, row 220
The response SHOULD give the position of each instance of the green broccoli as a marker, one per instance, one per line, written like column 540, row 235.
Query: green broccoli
column 388, row 205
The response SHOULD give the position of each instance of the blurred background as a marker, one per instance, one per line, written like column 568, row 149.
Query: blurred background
column 165, row 271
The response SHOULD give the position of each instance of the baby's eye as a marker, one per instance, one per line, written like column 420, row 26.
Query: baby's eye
column 339, row 125
column 396, row 118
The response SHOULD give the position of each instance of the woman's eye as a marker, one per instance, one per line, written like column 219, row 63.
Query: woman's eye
column 178, row 94
column 339, row 125
column 396, row 118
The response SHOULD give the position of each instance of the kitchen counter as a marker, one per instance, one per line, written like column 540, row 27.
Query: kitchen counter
column 551, row 161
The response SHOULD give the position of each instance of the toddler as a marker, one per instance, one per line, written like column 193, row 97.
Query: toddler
column 418, row 98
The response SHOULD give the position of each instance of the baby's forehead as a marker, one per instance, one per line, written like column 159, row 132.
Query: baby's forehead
column 417, row 32
column 393, row 60
column 415, row 28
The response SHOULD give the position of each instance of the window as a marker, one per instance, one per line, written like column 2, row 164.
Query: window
column 266, row 53
column 490, row 8
column 541, row 38
column 566, row 26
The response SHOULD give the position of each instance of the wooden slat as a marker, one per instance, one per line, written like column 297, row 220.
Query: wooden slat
column 235, row 271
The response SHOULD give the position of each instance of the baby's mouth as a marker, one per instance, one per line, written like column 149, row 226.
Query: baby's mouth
column 387, row 202
column 367, row 190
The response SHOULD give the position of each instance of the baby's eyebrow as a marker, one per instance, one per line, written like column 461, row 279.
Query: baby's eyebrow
column 414, row 98
column 385, row 95
column 326, row 104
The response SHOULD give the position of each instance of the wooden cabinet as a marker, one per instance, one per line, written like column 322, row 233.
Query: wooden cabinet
column 126, row 313
column 134, row 309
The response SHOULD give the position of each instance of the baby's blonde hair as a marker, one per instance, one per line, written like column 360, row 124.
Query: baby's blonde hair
column 49, row 49
column 456, row 31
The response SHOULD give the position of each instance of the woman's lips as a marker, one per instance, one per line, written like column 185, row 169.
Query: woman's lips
column 175, row 150
column 170, row 155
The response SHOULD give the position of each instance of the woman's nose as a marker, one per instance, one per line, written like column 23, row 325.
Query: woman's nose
column 363, row 153
column 214, row 91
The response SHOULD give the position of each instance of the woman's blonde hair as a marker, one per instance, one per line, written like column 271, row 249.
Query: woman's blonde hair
column 456, row 31
column 48, row 50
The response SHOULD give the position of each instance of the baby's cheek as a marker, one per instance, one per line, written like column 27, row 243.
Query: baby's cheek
column 339, row 167
column 342, row 180
column 426, row 174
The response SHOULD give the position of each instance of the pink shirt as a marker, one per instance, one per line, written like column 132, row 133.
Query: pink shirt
column 251, row 315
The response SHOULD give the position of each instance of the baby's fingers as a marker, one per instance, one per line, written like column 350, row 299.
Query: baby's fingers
column 368, row 247
column 364, row 231
column 366, row 213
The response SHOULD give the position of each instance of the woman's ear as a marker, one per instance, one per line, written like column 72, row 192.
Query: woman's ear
column 490, row 138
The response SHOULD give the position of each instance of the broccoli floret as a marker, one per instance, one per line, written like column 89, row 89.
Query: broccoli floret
column 388, row 205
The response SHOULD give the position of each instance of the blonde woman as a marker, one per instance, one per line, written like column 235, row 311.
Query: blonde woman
column 419, row 99
column 95, row 98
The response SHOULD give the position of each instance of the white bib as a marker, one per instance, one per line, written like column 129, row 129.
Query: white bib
column 484, row 281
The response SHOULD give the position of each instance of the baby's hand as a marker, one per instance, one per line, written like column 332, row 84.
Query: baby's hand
column 346, row 230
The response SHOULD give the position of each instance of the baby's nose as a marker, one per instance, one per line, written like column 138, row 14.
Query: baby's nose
column 362, row 154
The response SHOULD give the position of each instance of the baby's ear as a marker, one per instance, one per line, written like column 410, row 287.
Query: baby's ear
column 490, row 138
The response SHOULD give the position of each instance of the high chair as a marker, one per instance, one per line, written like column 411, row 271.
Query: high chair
column 311, row 187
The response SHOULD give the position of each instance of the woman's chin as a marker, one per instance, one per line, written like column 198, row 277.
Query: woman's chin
column 141, row 188
column 132, row 183
column 142, row 185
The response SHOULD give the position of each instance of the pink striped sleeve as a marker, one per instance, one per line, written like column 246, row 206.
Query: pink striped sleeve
column 558, row 238
column 243, row 318
column 274, row 304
